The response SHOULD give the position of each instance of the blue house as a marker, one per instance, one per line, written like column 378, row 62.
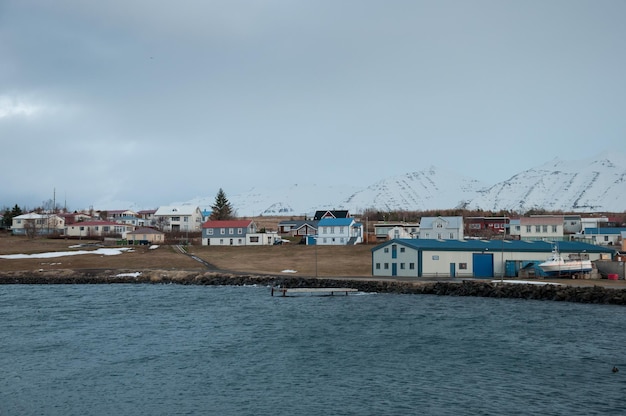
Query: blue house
column 339, row 232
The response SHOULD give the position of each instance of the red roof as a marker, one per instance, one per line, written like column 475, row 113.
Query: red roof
column 95, row 223
column 227, row 224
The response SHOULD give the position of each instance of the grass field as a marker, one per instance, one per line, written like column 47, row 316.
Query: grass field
column 304, row 260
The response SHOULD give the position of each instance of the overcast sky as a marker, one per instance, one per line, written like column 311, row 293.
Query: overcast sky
column 142, row 102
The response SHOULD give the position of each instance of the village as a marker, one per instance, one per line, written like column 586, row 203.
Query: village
column 454, row 246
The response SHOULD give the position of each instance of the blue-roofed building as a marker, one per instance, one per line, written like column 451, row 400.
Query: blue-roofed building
column 608, row 236
column 471, row 258
column 339, row 232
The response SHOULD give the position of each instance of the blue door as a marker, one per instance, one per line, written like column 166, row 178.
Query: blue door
column 482, row 265
column 394, row 269
column 452, row 269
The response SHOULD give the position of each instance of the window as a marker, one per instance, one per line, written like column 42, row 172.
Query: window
column 186, row 219
column 175, row 218
column 222, row 231
column 332, row 230
column 412, row 266
column 474, row 226
column 401, row 266
column 386, row 266
column 439, row 225
column 554, row 228
column 606, row 238
column 239, row 241
column 221, row 240
column 402, row 249
column 427, row 235
column 377, row 266
column 435, row 257
column 209, row 231
column 239, row 231
column 451, row 236
column 537, row 228
column 462, row 266
column 231, row 231
column 254, row 239
column 528, row 229
column 386, row 249
column 439, row 236
column 545, row 228
column 517, row 228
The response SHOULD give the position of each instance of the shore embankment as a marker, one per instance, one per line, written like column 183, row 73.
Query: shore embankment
column 595, row 294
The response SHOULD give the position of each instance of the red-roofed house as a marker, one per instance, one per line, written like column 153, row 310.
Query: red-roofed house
column 227, row 232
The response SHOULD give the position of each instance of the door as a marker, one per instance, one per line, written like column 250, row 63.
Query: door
column 452, row 269
column 482, row 265
column 394, row 269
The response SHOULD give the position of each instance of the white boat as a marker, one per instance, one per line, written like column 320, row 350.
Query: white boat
column 556, row 264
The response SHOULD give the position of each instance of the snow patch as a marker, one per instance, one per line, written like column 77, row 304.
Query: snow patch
column 100, row 251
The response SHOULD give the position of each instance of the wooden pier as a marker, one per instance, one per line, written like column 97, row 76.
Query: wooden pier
column 320, row 290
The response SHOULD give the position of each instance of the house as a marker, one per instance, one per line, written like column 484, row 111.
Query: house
column 542, row 227
column 132, row 220
column 470, row 258
column 37, row 224
column 339, row 231
column 74, row 217
column 227, row 232
column 298, row 228
column 384, row 231
column 147, row 214
column 607, row 236
column 146, row 236
column 572, row 224
column 116, row 213
column 485, row 227
column 441, row 228
column 263, row 239
column 92, row 229
column 320, row 214
column 179, row 218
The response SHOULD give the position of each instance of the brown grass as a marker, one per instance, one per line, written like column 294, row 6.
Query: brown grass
column 329, row 261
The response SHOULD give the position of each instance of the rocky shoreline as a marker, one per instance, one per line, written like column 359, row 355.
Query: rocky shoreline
column 566, row 293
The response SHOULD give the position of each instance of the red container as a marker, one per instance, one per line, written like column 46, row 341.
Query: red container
column 612, row 276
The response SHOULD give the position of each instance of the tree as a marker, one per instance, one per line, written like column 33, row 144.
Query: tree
column 222, row 209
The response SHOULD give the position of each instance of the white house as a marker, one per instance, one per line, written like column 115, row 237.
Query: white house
column 339, row 231
column 541, row 227
column 390, row 230
column 179, row 218
column 90, row 229
column 40, row 224
column 441, row 228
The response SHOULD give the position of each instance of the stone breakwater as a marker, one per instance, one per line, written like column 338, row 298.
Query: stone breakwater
column 565, row 293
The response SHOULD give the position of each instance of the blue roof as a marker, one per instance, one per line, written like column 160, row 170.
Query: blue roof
column 604, row 230
column 497, row 245
column 334, row 222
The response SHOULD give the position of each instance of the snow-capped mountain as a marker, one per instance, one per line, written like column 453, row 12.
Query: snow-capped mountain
column 592, row 185
column 429, row 189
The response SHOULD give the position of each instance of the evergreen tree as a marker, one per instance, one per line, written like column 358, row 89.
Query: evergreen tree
column 222, row 209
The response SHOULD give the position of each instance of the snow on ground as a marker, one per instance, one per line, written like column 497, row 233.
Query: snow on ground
column 100, row 251
column 289, row 271
column 135, row 274
column 153, row 247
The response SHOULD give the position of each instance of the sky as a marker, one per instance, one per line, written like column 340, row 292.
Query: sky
column 135, row 103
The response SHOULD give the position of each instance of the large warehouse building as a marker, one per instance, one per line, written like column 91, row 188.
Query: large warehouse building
column 471, row 258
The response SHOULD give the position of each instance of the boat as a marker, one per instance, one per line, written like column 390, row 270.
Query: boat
column 557, row 265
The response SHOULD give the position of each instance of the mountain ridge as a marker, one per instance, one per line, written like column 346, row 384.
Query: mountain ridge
column 590, row 185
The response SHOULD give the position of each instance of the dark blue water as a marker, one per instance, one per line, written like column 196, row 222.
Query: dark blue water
column 180, row 350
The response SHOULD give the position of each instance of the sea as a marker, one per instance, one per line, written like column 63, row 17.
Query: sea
column 143, row 349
